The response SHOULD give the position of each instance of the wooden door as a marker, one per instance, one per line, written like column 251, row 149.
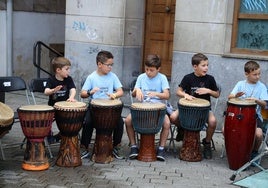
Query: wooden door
column 159, row 30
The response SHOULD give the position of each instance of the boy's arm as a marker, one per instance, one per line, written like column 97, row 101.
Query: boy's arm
column 182, row 94
column 163, row 95
column 49, row 91
column 72, row 95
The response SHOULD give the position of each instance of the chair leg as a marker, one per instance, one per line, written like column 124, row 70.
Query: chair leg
column 48, row 147
column 2, row 150
column 23, row 142
column 213, row 145
column 172, row 139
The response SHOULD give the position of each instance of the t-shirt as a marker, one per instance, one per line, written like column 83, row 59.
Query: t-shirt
column 64, row 93
column 156, row 84
column 107, row 83
column 190, row 83
column 257, row 91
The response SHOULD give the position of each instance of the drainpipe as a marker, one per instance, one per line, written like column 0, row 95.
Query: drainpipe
column 9, row 37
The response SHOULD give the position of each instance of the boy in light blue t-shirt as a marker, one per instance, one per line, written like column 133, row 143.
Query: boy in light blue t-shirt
column 102, row 84
column 150, row 86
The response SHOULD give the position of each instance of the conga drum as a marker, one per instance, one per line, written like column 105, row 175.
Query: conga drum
column 147, row 119
column 36, row 122
column 193, row 114
column 239, row 131
column 6, row 119
column 105, row 116
column 69, row 118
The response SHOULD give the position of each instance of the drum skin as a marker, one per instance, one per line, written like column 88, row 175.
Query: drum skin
column 239, row 131
column 69, row 118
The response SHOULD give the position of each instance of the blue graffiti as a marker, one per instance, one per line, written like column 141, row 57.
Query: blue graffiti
column 79, row 26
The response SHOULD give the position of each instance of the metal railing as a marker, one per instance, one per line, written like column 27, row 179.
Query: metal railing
column 37, row 56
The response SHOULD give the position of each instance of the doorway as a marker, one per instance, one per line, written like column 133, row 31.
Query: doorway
column 159, row 31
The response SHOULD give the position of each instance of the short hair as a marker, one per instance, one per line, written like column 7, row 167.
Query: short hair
column 197, row 58
column 103, row 56
column 153, row 61
column 251, row 66
column 59, row 62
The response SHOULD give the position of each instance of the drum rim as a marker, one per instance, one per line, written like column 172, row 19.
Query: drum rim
column 58, row 105
column 241, row 104
column 118, row 102
column 148, row 105
column 48, row 108
column 195, row 104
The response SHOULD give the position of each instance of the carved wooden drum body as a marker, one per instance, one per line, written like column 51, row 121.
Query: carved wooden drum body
column 105, row 115
column 36, row 122
column 69, row 118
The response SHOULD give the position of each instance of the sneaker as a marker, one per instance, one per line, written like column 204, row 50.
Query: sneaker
column 180, row 134
column 253, row 155
column 160, row 154
column 51, row 139
column 117, row 154
column 57, row 137
column 133, row 153
column 207, row 149
column 85, row 154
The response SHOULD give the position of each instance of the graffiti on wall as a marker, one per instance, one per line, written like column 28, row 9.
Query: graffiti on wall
column 82, row 27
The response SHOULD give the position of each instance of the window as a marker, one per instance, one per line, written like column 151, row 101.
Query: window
column 250, row 27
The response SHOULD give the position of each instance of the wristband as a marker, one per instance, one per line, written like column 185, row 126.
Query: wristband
column 88, row 92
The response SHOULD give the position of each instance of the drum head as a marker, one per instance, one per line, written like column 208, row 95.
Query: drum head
column 37, row 107
column 242, row 102
column 148, row 105
column 194, row 103
column 6, row 115
column 106, row 102
column 70, row 105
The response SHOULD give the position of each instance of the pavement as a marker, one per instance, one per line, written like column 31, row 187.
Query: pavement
column 119, row 173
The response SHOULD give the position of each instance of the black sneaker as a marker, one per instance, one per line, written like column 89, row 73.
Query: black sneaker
column 133, row 152
column 117, row 154
column 160, row 154
column 85, row 154
column 207, row 149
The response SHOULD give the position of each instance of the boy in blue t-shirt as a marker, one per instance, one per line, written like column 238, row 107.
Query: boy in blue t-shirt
column 150, row 86
column 102, row 84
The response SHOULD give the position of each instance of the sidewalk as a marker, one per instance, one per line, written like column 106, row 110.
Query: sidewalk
column 119, row 173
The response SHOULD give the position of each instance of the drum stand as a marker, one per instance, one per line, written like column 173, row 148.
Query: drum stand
column 256, row 160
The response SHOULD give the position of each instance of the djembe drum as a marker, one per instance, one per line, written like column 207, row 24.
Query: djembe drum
column 192, row 116
column 105, row 115
column 6, row 119
column 239, row 131
column 69, row 118
column 36, row 122
column 147, row 119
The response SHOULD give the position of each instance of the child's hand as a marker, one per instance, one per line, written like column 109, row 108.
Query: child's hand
column 71, row 100
column 202, row 91
column 139, row 95
column 239, row 94
column 94, row 90
column 58, row 88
